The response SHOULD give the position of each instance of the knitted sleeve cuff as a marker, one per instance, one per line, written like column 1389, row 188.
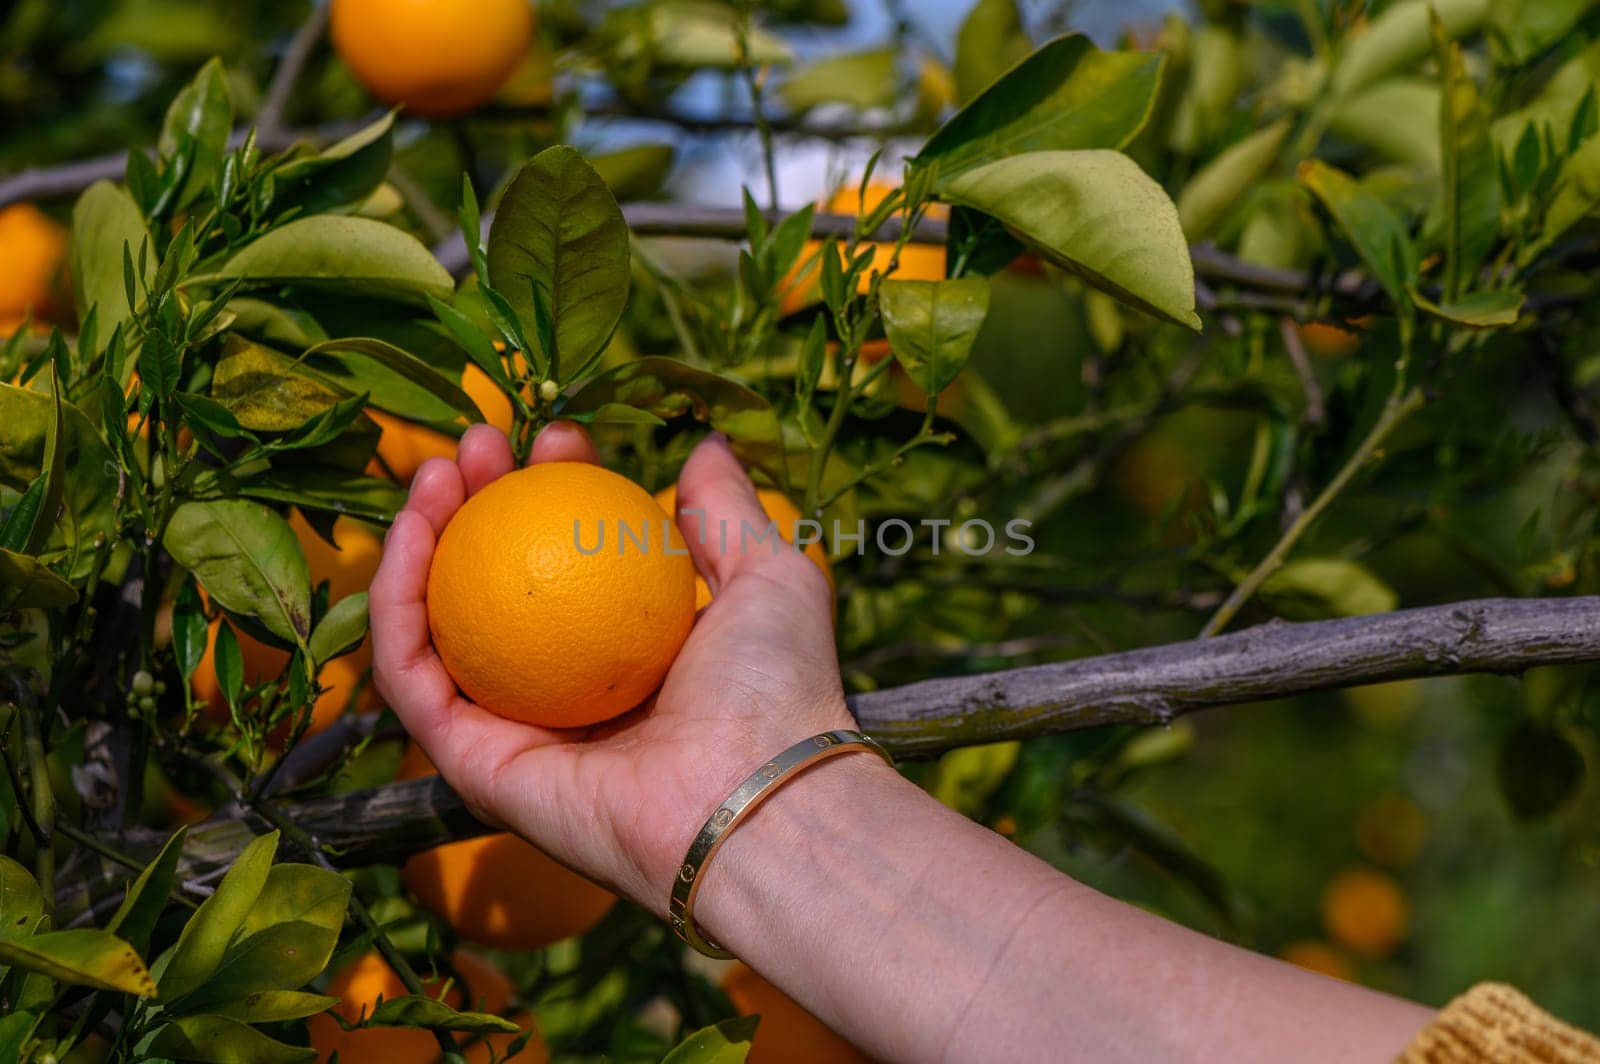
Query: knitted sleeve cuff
column 1495, row 1023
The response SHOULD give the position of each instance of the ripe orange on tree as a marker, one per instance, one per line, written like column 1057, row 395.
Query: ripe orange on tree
column 1333, row 340
column 783, row 513
column 787, row 1033
column 1365, row 911
column 33, row 248
column 556, row 597
column 405, row 445
column 497, row 890
column 918, row 262
column 359, row 985
column 437, row 58
column 347, row 570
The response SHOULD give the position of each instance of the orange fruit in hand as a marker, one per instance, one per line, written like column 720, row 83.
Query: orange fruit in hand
column 360, row 984
column 497, row 890
column 556, row 597
column 434, row 57
column 783, row 513
column 787, row 1033
column 918, row 262
column 347, row 570
column 405, row 445
column 1365, row 911
column 34, row 249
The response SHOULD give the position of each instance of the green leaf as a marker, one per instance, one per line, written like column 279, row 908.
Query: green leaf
column 559, row 228
column 862, row 80
column 158, row 365
column 21, row 901
column 617, row 414
column 26, row 582
column 198, row 122
column 229, row 663
column 31, row 521
column 328, row 491
column 668, row 388
column 202, row 411
column 1398, row 118
column 356, row 255
column 1371, row 227
column 1524, row 29
column 727, row 1042
column 1324, row 587
column 1399, row 39
column 342, row 175
column 284, row 941
column 188, row 628
column 411, row 1010
column 341, row 630
column 635, row 173
column 95, row 959
column 990, row 42
column 964, row 779
column 393, row 379
column 222, row 1040
column 266, row 390
column 1225, row 181
column 273, row 1006
column 1097, row 214
column 1577, row 197
column 1068, row 95
column 692, row 34
column 473, row 341
column 205, row 938
column 248, row 559
column 1480, row 310
column 135, row 919
column 15, row 1031
column 105, row 221
column 931, row 326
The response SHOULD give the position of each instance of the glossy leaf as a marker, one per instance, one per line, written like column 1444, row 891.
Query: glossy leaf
column 559, row 228
column 392, row 379
column 27, row 582
column 95, row 959
column 1577, row 197
column 135, row 919
column 105, row 221
column 328, row 491
column 248, row 560
column 727, row 1042
column 341, row 629
column 21, row 902
column 342, row 175
column 1525, row 28
column 266, row 391
column 1095, row 213
column 1068, row 95
column 205, row 938
column 273, row 1006
column 357, row 255
column 198, row 123
column 637, row 172
column 1225, row 181
column 990, row 42
column 188, row 629
column 862, row 80
column 1370, row 226
column 932, row 325
column 222, row 1040
column 411, row 1010
column 284, row 941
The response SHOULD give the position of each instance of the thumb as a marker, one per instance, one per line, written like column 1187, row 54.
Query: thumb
column 716, row 504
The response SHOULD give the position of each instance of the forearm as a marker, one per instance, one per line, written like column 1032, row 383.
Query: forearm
column 923, row 936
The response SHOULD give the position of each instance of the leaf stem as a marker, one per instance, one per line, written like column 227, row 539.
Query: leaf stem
column 1395, row 411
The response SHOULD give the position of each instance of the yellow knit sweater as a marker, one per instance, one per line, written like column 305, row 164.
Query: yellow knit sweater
column 1494, row 1024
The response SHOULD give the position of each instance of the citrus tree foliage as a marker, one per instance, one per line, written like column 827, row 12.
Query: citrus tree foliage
column 1425, row 177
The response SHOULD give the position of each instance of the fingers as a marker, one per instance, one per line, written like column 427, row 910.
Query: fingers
column 564, row 441
column 484, row 456
column 405, row 668
column 716, row 503
column 437, row 492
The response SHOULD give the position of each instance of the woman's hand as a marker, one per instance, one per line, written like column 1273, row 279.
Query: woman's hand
column 619, row 801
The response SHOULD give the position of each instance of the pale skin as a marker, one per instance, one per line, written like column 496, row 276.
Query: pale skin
column 911, row 930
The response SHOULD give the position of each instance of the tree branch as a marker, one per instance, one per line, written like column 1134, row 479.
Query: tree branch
column 274, row 110
column 1154, row 685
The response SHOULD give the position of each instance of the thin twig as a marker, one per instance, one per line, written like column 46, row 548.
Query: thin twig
column 274, row 110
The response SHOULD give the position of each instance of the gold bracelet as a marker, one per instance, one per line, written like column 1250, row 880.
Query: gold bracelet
column 740, row 804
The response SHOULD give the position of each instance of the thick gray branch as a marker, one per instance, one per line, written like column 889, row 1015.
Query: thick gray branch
column 1150, row 686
